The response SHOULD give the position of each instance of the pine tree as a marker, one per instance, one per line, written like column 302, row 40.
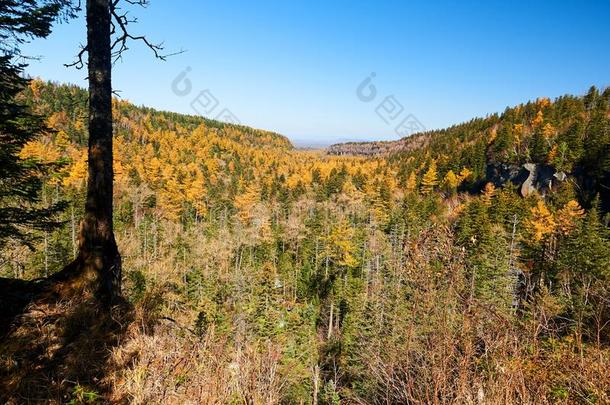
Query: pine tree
column 21, row 172
column 21, row 20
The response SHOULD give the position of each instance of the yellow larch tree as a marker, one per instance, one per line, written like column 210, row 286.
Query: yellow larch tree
column 43, row 152
column 464, row 175
column 518, row 130
column 341, row 244
column 195, row 190
column 246, row 201
column 568, row 216
column 488, row 194
column 451, row 182
column 542, row 222
column 548, row 131
column 430, row 179
column 379, row 212
column 543, row 102
column 552, row 154
column 538, row 120
column 411, row 182
column 77, row 171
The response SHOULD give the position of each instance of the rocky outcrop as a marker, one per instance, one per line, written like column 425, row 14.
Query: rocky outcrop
column 529, row 185
column 531, row 177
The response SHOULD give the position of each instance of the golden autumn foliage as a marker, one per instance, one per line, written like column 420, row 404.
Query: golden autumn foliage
column 43, row 152
column 488, row 193
column 36, row 86
column 265, row 257
column 430, row 179
column 464, row 175
column 543, row 102
column 246, row 201
column 568, row 215
column 411, row 182
column 77, row 172
column 451, row 182
column 548, row 131
column 518, row 133
column 340, row 244
column 542, row 222
column 538, row 120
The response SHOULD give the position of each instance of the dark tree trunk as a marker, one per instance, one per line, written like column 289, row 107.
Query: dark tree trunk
column 98, row 249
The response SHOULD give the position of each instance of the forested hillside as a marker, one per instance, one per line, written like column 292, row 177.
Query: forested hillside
column 569, row 135
column 467, row 265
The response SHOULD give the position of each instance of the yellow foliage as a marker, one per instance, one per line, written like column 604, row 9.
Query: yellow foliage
column 341, row 243
column 62, row 141
column 36, row 85
column 518, row 132
column 538, row 120
column 430, row 179
column 58, row 120
column 568, row 215
column 543, row 102
column 464, row 175
column 246, row 201
column 451, row 181
column 411, row 182
column 488, row 193
column 41, row 152
column 379, row 212
column 77, row 172
column 548, row 131
column 542, row 222
column 552, row 154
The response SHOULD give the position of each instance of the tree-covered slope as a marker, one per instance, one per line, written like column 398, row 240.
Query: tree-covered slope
column 569, row 134
column 66, row 105
column 263, row 274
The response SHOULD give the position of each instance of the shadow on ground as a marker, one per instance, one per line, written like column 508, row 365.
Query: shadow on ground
column 56, row 342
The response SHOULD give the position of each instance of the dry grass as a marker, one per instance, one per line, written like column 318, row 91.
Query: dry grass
column 173, row 366
column 58, row 349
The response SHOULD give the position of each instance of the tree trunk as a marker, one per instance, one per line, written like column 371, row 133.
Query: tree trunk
column 98, row 250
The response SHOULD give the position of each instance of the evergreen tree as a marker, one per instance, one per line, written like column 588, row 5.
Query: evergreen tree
column 22, row 20
column 20, row 180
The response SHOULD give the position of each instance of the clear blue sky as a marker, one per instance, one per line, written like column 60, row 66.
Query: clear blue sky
column 294, row 66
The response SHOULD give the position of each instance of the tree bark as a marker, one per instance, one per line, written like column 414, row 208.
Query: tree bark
column 98, row 249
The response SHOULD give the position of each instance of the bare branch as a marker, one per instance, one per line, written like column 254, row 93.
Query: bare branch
column 79, row 62
column 121, row 35
column 120, row 27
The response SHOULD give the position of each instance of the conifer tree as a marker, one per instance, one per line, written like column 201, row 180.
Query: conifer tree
column 488, row 193
column 542, row 222
column 411, row 182
column 450, row 182
column 20, row 174
column 20, row 182
column 430, row 179
column 568, row 216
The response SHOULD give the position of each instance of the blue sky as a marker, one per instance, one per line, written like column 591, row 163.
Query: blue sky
column 294, row 66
